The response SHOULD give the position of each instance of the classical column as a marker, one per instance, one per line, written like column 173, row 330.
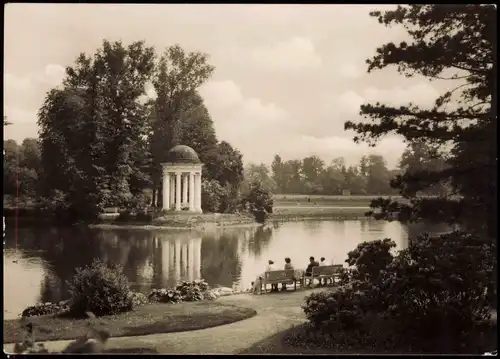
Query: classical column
column 197, row 258
column 177, row 191
column 177, row 260
column 198, row 189
column 184, row 261
column 172, row 191
column 191, row 260
column 165, row 265
column 191, row 192
column 171, row 252
column 184, row 189
column 166, row 190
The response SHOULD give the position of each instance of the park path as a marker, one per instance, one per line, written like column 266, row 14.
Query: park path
column 275, row 312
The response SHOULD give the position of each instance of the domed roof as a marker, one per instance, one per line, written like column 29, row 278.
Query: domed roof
column 182, row 154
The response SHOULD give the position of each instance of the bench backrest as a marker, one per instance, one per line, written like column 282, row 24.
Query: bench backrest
column 327, row 270
column 276, row 275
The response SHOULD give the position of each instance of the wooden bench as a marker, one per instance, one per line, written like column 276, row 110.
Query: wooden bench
column 328, row 272
column 280, row 276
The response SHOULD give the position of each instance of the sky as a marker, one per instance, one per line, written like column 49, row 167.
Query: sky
column 286, row 77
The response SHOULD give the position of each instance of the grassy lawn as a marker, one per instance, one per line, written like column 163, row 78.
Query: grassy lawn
column 293, row 200
column 298, row 212
column 147, row 319
column 294, row 341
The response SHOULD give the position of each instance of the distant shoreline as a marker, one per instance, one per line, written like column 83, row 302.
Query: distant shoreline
column 288, row 208
column 211, row 220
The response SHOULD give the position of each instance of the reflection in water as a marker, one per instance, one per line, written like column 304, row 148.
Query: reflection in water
column 158, row 259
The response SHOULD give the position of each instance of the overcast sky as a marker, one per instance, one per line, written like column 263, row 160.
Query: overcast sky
column 287, row 76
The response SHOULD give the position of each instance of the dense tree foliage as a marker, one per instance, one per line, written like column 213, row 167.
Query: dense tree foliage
column 92, row 130
column 311, row 176
column 456, row 44
column 21, row 166
column 177, row 77
column 102, row 140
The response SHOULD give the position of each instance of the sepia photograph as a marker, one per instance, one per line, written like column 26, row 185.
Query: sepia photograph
column 250, row 179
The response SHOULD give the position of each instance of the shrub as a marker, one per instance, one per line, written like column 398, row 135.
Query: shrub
column 435, row 289
column 259, row 202
column 45, row 309
column 338, row 309
column 185, row 291
column 192, row 291
column 211, row 193
column 100, row 289
column 369, row 259
column 165, row 296
column 137, row 299
column 432, row 293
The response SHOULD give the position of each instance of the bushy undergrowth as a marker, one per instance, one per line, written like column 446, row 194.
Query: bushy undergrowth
column 100, row 289
column 184, row 292
column 46, row 309
column 432, row 293
column 137, row 299
column 114, row 302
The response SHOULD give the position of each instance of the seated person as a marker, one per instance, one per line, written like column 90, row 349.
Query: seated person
column 270, row 267
column 310, row 266
column 322, row 263
column 288, row 266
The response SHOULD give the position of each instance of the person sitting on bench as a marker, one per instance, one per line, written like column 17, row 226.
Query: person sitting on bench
column 312, row 263
column 288, row 266
column 322, row 263
column 270, row 267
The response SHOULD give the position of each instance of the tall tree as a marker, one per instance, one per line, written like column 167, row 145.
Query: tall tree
column 21, row 164
column 312, row 167
column 420, row 156
column 378, row 176
column 277, row 170
column 95, row 127
column 225, row 164
column 177, row 77
column 258, row 174
column 456, row 43
column 197, row 131
column 333, row 178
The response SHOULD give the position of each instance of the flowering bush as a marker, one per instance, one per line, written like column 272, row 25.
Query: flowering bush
column 165, row 296
column 137, row 299
column 186, row 291
column 45, row 309
column 192, row 291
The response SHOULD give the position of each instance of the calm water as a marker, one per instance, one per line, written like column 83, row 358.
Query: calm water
column 46, row 258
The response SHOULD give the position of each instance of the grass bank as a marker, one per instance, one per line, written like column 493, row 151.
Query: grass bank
column 147, row 319
column 299, row 213
column 291, row 200
column 298, row 340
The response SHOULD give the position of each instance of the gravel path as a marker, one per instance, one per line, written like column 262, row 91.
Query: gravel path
column 275, row 312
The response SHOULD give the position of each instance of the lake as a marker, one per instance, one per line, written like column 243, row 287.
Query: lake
column 37, row 267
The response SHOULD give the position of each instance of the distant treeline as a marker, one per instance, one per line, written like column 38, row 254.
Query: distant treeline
column 371, row 176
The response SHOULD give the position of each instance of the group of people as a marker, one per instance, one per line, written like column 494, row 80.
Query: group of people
column 256, row 285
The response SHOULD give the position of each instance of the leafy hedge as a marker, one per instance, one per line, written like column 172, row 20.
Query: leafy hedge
column 432, row 293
